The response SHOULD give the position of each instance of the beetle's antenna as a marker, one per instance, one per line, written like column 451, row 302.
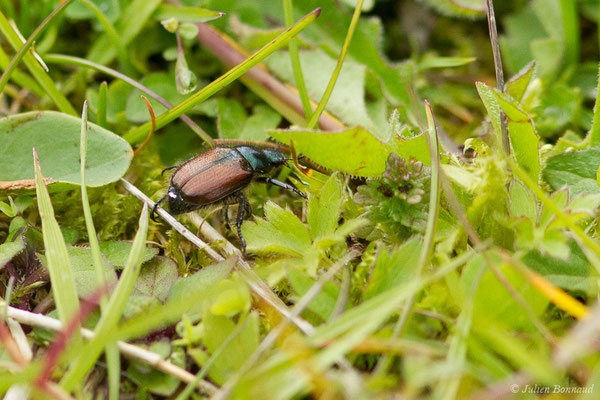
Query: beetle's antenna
column 153, row 212
column 168, row 168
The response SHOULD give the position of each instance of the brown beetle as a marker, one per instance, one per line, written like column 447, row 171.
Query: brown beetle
column 219, row 175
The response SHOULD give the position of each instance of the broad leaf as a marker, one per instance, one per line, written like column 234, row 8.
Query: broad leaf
column 56, row 138
column 576, row 170
column 117, row 252
column 281, row 232
column 354, row 151
column 156, row 278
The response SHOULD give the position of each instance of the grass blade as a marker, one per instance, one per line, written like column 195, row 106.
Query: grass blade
column 491, row 18
column 112, row 352
column 434, row 204
column 282, row 97
column 59, row 266
column 36, row 70
column 288, row 11
column 102, row 104
column 19, row 77
column 141, row 132
column 570, row 22
column 27, row 45
column 81, row 62
column 338, row 68
column 106, row 327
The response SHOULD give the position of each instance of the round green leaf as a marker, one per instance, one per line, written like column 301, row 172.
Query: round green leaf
column 56, row 137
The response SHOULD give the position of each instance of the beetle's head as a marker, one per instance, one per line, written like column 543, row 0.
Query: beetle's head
column 262, row 160
column 275, row 157
column 175, row 201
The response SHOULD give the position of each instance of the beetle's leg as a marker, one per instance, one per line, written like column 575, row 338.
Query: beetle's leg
column 226, row 215
column 282, row 185
column 243, row 203
column 248, row 210
column 153, row 212
column 168, row 168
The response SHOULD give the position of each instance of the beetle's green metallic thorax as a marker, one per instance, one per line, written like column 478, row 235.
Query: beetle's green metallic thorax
column 261, row 160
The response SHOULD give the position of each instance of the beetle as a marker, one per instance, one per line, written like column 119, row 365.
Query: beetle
column 218, row 176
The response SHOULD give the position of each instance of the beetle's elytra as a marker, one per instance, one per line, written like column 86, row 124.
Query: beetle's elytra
column 219, row 175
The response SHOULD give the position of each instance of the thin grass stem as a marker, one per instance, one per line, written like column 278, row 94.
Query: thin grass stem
column 338, row 68
column 288, row 13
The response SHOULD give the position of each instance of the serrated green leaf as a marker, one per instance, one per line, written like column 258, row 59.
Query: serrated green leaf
column 523, row 138
column 493, row 108
column 354, row 151
column 324, row 212
column 108, row 158
column 281, row 232
column 587, row 204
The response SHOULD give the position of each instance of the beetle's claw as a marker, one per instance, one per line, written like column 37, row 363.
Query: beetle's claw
column 305, row 197
column 153, row 212
column 299, row 193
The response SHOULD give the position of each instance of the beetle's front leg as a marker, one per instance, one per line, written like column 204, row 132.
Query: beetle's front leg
column 282, row 185
column 153, row 212
column 242, row 207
